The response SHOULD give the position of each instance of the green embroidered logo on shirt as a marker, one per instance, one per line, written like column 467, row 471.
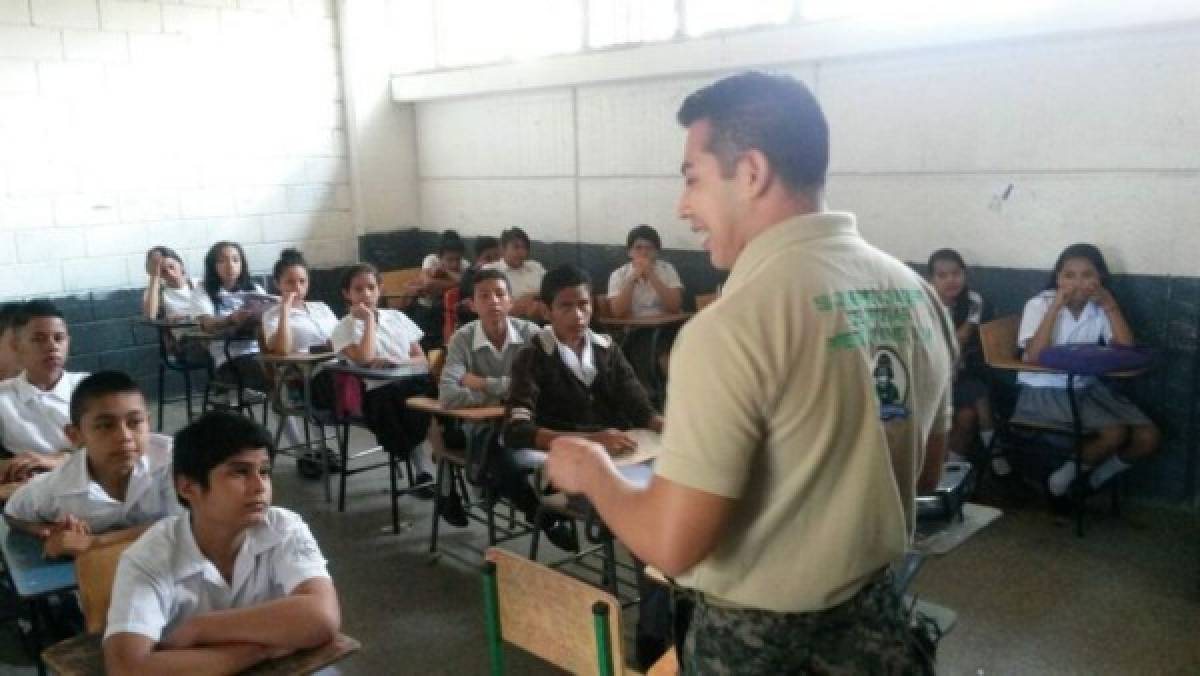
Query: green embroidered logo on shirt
column 875, row 317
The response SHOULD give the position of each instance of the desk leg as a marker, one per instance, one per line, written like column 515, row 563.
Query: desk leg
column 1077, row 428
column 323, row 452
column 35, row 636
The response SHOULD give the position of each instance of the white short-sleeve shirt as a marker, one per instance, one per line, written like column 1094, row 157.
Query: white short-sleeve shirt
column 69, row 489
column 32, row 419
column 1091, row 326
column 312, row 325
column 188, row 301
column 228, row 302
column 524, row 280
column 163, row 578
column 645, row 299
column 394, row 335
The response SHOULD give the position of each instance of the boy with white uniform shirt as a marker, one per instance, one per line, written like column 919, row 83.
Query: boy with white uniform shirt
column 34, row 406
column 228, row 585
column 524, row 275
column 110, row 490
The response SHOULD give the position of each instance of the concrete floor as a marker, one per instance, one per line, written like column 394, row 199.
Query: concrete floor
column 1031, row 597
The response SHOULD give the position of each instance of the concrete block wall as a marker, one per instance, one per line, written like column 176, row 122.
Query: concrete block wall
column 125, row 124
column 1006, row 151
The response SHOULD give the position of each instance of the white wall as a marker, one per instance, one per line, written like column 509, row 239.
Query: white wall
column 1097, row 135
column 129, row 124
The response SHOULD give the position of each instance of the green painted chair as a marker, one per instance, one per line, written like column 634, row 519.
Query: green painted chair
column 567, row 622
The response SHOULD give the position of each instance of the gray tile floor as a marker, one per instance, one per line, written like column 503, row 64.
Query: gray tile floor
column 1031, row 597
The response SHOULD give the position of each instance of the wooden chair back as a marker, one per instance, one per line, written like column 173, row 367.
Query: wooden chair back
column 95, row 570
column 437, row 361
column 601, row 308
column 703, row 300
column 395, row 283
column 550, row 614
column 999, row 340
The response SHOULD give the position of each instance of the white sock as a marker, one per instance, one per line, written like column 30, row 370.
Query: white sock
column 1061, row 479
column 986, row 437
column 953, row 456
column 1107, row 470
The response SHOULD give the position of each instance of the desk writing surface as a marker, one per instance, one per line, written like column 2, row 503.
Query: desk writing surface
column 297, row 357
column 474, row 413
column 393, row 373
column 32, row 574
column 84, row 656
column 649, row 445
column 650, row 321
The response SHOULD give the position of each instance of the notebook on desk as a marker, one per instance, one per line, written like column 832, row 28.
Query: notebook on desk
column 649, row 444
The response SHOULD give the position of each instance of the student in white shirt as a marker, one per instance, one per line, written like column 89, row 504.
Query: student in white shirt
column 479, row 359
column 35, row 405
column 524, row 275
column 440, row 272
column 381, row 337
column 226, row 277
column 10, row 364
column 306, row 324
column 645, row 286
column 231, row 583
column 1076, row 307
column 170, row 293
column 113, row 486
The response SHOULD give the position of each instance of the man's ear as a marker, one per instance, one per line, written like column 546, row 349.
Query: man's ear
column 74, row 435
column 754, row 173
column 187, row 489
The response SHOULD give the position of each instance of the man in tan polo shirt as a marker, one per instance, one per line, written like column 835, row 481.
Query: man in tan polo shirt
column 799, row 411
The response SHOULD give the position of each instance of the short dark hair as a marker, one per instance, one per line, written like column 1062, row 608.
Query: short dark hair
column 565, row 276
column 489, row 273
column 451, row 242
column 775, row 114
column 35, row 309
column 288, row 258
column 212, row 439
column 163, row 251
column 356, row 270
column 8, row 316
column 99, row 384
column 645, row 232
column 1083, row 250
column 485, row 242
column 512, row 235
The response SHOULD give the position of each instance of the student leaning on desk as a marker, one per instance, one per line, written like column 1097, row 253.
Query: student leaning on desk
column 114, row 486
column 232, row 582
column 34, row 405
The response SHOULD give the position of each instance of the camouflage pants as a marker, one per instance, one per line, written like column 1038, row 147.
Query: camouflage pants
column 868, row 634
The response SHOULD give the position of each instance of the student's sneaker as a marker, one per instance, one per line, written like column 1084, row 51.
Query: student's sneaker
column 451, row 509
column 425, row 492
column 562, row 535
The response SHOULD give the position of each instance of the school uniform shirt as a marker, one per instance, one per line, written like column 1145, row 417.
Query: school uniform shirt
column 806, row 394
column 547, row 392
column 395, row 334
column 470, row 351
column 1091, row 327
column 524, row 280
column 70, row 489
column 228, row 302
column 645, row 299
column 311, row 325
column 188, row 301
column 32, row 419
column 163, row 579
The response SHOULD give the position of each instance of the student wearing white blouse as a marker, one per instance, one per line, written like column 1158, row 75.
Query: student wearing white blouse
column 305, row 324
column 170, row 293
column 371, row 336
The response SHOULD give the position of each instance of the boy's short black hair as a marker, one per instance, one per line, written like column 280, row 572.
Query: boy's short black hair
column 485, row 242
column 99, row 384
column 645, row 232
column 212, row 439
column 490, row 273
column 565, row 276
column 35, row 309
column 513, row 235
column 8, row 315
column 450, row 243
